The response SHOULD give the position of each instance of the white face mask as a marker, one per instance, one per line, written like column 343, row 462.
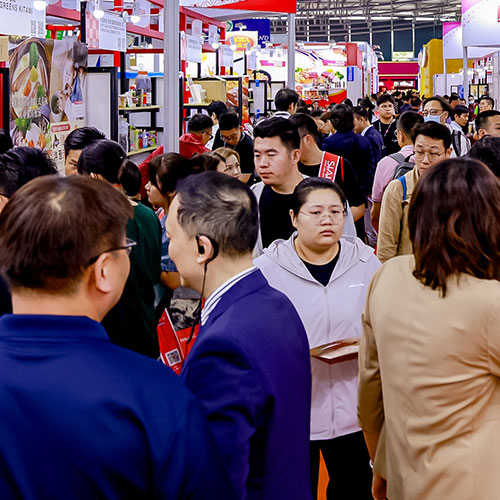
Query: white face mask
column 433, row 118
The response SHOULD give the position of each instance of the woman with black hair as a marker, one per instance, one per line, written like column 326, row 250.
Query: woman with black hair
column 326, row 278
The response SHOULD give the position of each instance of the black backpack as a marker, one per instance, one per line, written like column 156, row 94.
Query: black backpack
column 404, row 164
column 456, row 142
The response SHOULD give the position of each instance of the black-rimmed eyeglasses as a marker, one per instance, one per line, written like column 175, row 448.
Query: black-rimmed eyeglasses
column 129, row 244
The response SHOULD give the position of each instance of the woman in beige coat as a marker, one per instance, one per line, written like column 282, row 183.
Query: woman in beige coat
column 431, row 345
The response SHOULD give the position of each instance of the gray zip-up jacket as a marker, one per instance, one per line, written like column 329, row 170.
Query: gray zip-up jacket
column 328, row 313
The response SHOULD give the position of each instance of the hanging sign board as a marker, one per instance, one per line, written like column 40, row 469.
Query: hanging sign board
column 286, row 6
column 109, row 32
column 194, row 48
column 480, row 22
column 19, row 17
column 252, row 61
column 453, row 44
column 244, row 40
column 227, row 56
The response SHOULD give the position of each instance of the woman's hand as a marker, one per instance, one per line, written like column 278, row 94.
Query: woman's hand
column 379, row 487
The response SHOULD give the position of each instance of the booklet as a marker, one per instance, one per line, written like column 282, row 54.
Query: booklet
column 338, row 350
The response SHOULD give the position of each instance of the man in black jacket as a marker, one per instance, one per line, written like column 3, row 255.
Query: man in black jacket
column 233, row 136
column 386, row 124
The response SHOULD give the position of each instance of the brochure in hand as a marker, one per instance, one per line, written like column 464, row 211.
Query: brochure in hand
column 337, row 351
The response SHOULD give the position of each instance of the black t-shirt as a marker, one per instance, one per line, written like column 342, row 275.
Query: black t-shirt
column 275, row 222
column 388, row 132
column 349, row 184
column 323, row 273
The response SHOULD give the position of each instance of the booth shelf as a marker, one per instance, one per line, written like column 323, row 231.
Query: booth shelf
column 139, row 109
column 144, row 150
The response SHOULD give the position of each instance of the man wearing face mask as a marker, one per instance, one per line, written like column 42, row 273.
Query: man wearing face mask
column 436, row 109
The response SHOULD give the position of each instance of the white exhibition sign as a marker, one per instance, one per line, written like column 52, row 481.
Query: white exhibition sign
column 227, row 56
column 453, row 44
column 19, row 17
column 481, row 23
column 112, row 33
column 194, row 48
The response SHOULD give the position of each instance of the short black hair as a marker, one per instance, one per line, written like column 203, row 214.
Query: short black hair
column 305, row 124
column 9, row 175
column 433, row 130
column 489, row 99
column 30, row 163
column 316, row 113
column 285, row 97
column 444, row 103
column 386, row 98
column 166, row 170
column 229, row 121
column 342, row 118
column 102, row 157
column 82, row 137
column 309, row 184
column 487, row 150
column 458, row 110
column 361, row 112
column 482, row 118
column 279, row 127
column 454, row 97
column 217, row 107
column 415, row 101
column 408, row 120
column 222, row 208
column 5, row 141
column 129, row 176
column 199, row 122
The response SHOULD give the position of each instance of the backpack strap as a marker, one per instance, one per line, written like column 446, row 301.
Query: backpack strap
column 399, row 157
column 342, row 168
column 455, row 140
column 402, row 179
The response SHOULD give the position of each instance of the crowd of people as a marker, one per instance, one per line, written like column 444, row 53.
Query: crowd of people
column 275, row 239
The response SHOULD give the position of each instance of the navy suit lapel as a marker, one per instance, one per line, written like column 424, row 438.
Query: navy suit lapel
column 246, row 286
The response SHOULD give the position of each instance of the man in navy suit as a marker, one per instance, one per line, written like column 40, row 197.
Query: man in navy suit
column 363, row 127
column 250, row 365
column 81, row 417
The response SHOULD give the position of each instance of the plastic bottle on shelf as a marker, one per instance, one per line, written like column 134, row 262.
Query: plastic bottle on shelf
column 256, row 118
column 143, row 81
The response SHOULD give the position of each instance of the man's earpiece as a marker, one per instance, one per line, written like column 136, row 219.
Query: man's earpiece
column 201, row 248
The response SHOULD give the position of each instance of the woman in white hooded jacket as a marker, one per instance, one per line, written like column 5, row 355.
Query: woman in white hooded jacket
column 326, row 279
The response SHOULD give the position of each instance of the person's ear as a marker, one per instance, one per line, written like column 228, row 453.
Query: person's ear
column 293, row 219
column 3, row 201
column 448, row 152
column 102, row 272
column 204, row 249
column 295, row 155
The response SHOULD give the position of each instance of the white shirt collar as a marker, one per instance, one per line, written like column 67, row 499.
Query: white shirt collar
column 215, row 297
column 366, row 129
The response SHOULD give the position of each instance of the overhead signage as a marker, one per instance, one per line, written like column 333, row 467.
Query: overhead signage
column 109, row 32
column 262, row 26
column 19, row 17
column 244, row 40
column 227, row 56
column 286, row 6
column 480, row 23
column 453, row 43
column 194, row 48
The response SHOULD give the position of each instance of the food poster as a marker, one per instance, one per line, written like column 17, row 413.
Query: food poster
column 232, row 87
column 47, row 80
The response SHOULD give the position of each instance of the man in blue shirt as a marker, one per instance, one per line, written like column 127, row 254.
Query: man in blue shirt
column 250, row 365
column 81, row 417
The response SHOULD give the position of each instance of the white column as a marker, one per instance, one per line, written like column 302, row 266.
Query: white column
column 171, row 52
column 466, row 74
column 291, row 51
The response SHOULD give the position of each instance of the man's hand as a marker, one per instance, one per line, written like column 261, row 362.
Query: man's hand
column 379, row 487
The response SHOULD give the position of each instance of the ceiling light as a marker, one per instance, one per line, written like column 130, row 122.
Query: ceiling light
column 40, row 4
column 233, row 47
column 135, row 17
column 216, row 45
column 98, row 12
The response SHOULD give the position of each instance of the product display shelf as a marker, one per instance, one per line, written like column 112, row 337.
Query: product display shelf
column 139, row 109
column 144, row 150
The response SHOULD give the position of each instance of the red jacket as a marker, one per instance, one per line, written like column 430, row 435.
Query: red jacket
column 189, row 144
